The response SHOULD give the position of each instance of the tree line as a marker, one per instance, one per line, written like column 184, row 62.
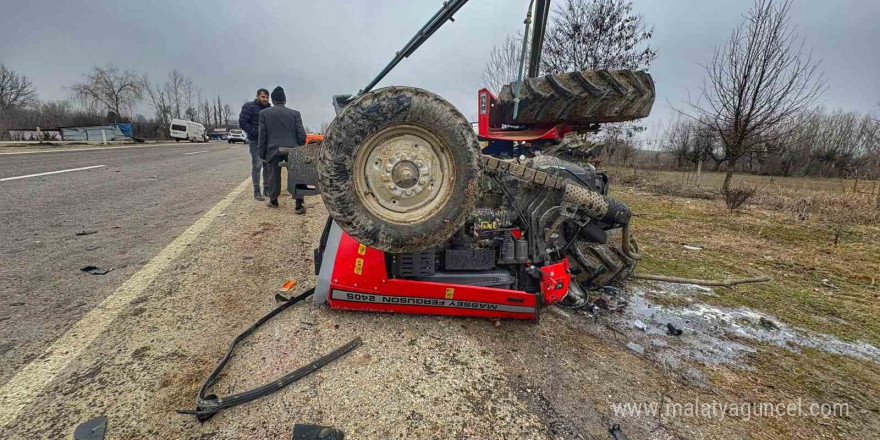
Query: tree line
column 756, row 110
column 818, row 143
column 108, row 95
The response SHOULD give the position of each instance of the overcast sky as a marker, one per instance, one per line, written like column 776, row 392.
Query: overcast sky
column 316, row 49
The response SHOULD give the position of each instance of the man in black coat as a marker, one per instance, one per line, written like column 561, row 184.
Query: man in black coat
column 248, row 120
column 279, row 127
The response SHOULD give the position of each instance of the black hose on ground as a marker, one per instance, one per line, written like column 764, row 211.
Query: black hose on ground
column 209, row 404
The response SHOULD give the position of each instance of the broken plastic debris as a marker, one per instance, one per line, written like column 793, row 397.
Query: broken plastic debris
column 289, row 284
column 93, row 429
column 95, row 270
column 617, row 433
column 640, row 325
column 672, row 330
column 635, row 347
column 703, row 288
column 315, row 432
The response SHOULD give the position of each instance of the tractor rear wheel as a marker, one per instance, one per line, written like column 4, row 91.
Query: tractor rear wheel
column 399, row 169
column 601, row 264
column 579, row 98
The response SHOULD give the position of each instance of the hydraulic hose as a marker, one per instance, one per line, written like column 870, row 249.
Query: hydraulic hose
column 597, row 206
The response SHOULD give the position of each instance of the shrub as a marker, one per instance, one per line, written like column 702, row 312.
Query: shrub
column 735, row 198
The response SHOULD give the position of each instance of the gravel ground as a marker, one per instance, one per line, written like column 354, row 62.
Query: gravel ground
column 415, row 377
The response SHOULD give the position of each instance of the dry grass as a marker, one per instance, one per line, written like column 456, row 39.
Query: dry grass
column 824, row 278
column 833, row 201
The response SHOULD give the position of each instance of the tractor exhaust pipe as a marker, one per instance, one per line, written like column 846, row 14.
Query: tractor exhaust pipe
column 596, row 206
column 603, row 209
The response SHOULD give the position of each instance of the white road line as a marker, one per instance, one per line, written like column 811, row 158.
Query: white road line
column 87, row 149
column 51, row 172
column 196, row 152
column 34, row 378
column 93, row 149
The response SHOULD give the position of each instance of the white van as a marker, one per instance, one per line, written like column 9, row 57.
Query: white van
column 188, row 131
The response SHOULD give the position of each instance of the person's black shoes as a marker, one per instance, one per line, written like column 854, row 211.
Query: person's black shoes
column 273, row 203
column 300, row 208
column 257, row 196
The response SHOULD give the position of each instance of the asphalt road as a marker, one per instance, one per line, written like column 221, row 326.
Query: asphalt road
column 128, row 203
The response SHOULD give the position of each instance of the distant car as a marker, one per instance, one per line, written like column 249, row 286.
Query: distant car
column 236, row 135
column 183, row 130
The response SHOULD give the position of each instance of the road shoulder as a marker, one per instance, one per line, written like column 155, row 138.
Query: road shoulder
column 422, row 377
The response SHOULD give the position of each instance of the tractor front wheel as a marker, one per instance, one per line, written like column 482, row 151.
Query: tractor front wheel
column 399, row 169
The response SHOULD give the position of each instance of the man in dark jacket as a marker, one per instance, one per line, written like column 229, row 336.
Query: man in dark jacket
column 279, row 127
column 248, row 120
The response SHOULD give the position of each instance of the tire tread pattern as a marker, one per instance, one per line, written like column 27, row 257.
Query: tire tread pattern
column 371, row 113
column 579, row 98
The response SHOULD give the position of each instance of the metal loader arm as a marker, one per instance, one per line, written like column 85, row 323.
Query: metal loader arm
column 446, row 12
column 542, row 12
column 442, row 16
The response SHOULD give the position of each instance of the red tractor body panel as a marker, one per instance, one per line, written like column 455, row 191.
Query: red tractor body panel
column 360, row 281
column 490, row 130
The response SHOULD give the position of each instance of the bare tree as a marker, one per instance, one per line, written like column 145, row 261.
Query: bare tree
column 705, row 145
column 160, row 102
column 597, row 34
column 227, row 114
column 16, row 90
column 679, row 140
column 757, row 82
column 110, row 89
column 201, row 116
column 222, row 112
column 503, row 65
column 627, row 150
column 835, row 144
column 189, row 94
column 174, row 89
column 206, row 112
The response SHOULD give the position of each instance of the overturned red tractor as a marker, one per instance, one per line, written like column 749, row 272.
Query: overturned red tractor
column 425, row 220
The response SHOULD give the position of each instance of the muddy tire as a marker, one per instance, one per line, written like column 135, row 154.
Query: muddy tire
column 399, row 169
column 601, row 264
column 580, row 98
